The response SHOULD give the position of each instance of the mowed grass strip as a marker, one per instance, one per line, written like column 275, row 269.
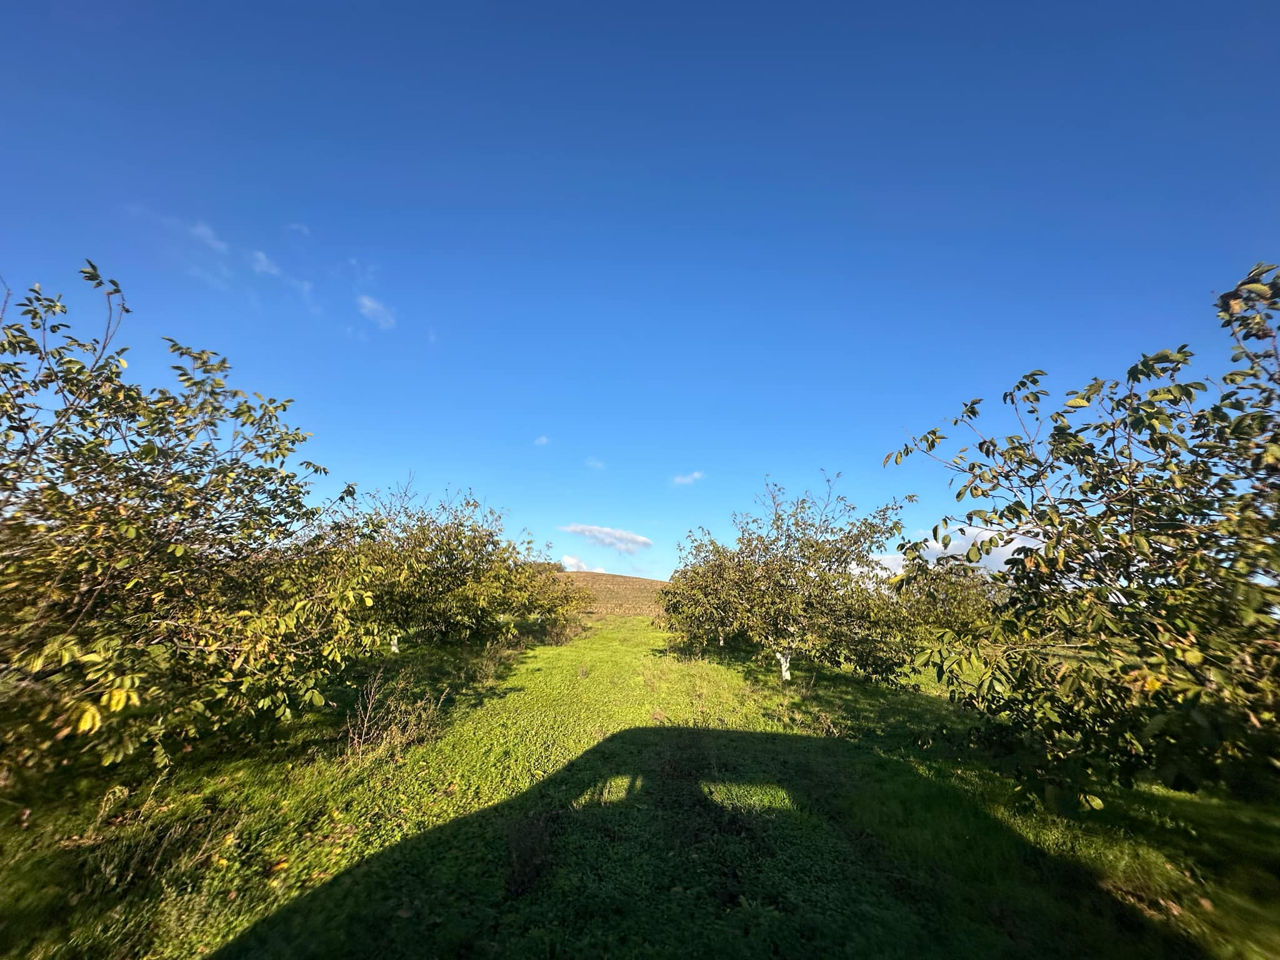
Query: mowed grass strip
column 607, row 798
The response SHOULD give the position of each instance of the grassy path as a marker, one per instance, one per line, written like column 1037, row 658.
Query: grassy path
column 607, row 799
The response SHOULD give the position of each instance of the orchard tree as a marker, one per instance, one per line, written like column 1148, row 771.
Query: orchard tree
column 1138, row 634
column 704, row 599
column 942, row 597
column 451, row 575
column 164, row 575
column 801, row 578
column 162, row 571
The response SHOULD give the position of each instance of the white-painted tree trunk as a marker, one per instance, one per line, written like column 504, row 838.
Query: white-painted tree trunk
column 784, row 661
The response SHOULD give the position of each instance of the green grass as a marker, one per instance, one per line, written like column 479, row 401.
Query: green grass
column 608, row 798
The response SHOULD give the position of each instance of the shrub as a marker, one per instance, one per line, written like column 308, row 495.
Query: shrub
column 449, row 575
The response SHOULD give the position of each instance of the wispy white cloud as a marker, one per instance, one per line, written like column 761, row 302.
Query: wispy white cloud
column 219, row 279
column 542, row 441
column 266, row 267
column 685, row 479
column 362, row 274
column 376, row 311
column 624, row 541
column 301, row 228
column 264, row 264
column 221, row 272
column 594, row 464
column 204, row 233
column 574, row 565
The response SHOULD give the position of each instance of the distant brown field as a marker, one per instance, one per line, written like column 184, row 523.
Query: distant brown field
column 617, row 595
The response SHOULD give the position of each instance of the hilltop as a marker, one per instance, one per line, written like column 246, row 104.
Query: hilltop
column 616, row 595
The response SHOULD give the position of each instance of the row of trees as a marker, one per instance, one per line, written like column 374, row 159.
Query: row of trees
column 805, row 577
column 164, row 574
column 1131, row 630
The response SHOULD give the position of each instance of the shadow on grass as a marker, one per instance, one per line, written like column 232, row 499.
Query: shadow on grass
column 156, row 835
column 830, row 701
column 683, row 842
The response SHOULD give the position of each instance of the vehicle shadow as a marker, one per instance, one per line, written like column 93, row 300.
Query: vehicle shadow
column 691, row 842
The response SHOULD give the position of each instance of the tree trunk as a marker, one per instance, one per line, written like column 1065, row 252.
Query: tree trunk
column 784, row 661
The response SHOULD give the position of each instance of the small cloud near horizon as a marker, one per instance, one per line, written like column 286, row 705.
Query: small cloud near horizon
column 624, row 541
column 301, row 228
column 594, row 464
column 376, row 311
column 685, row 479
column 574, row 565
column 542, row 441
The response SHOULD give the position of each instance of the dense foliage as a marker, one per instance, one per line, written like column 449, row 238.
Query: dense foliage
column 164, row 574
column 448, row 573
column 1139, row 631
column 802, row 578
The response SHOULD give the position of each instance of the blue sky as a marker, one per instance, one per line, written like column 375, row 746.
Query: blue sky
column 610, row 265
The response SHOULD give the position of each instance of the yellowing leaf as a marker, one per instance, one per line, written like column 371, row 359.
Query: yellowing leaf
column 90, row 720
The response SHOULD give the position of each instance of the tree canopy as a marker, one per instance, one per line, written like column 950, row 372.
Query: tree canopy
column 1138, row 633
